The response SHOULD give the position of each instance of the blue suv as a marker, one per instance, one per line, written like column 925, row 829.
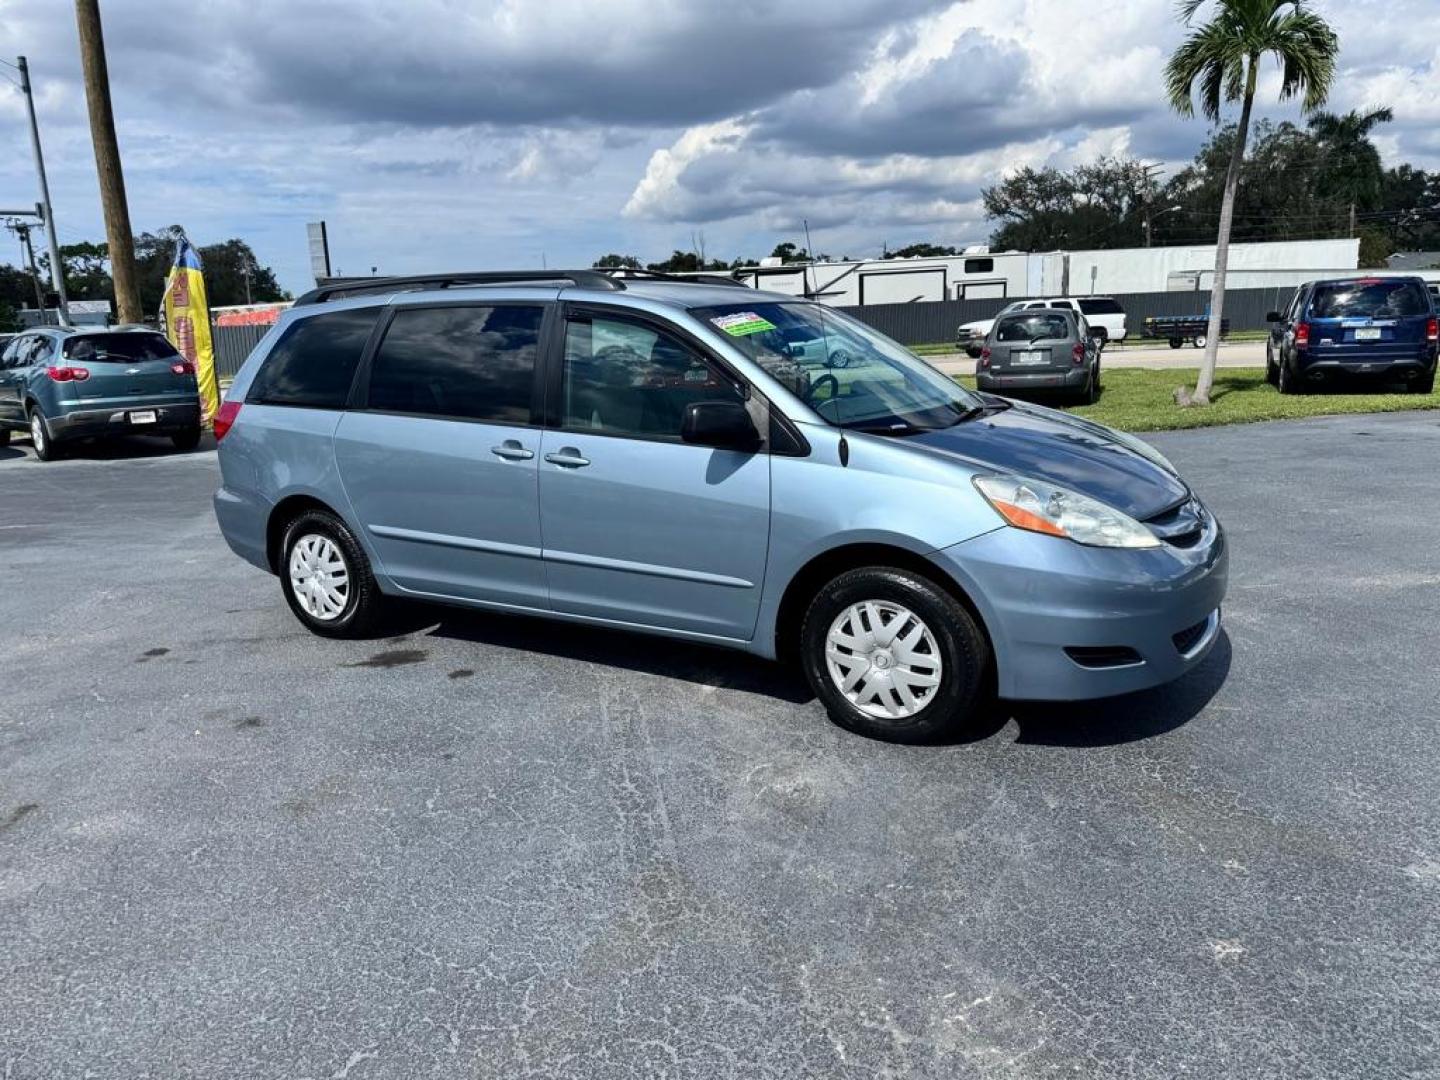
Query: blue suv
column 1377, row 327
column 704, row 461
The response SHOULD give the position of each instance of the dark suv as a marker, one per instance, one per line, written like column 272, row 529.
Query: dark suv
column 1382, row 327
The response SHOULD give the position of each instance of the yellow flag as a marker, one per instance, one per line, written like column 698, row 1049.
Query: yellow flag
column 187, row 323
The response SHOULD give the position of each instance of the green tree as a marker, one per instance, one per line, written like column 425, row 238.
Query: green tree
column 922, row 250
column 686, row 262
column 1220, row 61
column 617, row 262
column 1098, row 205
column 1350, row 167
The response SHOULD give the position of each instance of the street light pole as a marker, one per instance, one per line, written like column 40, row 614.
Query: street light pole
column 57, row 269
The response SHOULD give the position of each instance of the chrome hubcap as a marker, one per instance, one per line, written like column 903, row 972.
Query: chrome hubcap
column 37, row 432
column 319, row 577
column 884, row 659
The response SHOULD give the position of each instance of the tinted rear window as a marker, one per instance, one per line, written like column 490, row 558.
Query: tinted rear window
column 1033, row 326
column 126, row 348
column 313, row 364
column 475, row 363
column 1101, row 305
column 1369, row 300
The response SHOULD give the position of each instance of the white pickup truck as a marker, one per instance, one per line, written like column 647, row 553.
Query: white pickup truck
column 1098, row 311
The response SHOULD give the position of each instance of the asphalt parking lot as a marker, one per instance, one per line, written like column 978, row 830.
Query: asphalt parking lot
column 496, row 847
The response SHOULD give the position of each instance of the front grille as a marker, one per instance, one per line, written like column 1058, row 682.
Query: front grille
column 1103, row 656
column 1181, row 526
column 1188, row 638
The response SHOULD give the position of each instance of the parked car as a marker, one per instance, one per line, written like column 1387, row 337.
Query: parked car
column 657, row 455
column 1382, row 328
column 1048, row 349
column 1097, row 310
column 63, row 384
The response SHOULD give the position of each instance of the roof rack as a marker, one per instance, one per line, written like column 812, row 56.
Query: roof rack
column 340, row 288
column 660, row 275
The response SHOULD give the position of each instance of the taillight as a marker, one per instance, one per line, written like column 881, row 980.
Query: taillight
column 225, row 418
column 985, row 356
column 183, row 367
column 1302, row 335
column 1077, row 353
column 1432, row 330
column 68, row 374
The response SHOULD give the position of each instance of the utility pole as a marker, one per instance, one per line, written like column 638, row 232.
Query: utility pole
column 22, row 230
column 1149, row 171
column 57, row 269
column 119, row 239
column 1352, row 219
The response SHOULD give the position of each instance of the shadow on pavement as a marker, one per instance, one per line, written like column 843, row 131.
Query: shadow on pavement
column 126, row 447
column 1116, row 720
column 703, row 664
column 1103, row 722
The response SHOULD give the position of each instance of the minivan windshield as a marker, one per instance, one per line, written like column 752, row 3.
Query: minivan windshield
column 1374, row 298
column 851, row 375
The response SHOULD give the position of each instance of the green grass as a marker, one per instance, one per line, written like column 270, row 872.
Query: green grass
column 1140, row 400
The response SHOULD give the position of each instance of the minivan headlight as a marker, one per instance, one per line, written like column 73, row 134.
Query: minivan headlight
column 1041, row 507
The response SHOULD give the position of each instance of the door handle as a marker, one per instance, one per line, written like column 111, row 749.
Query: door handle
column 511, row 450
column 567, row 457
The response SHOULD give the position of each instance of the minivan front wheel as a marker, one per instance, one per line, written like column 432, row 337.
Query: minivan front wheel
column 893, row 656
column 326, row 577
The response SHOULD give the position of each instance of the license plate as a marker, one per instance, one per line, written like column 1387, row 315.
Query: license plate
column 145, row 417
column 1367, row 333
column 1030, row 356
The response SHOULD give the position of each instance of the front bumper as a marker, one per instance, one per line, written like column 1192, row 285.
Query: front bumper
column 1156, row 610
column 170, row 417
column 1073, row 378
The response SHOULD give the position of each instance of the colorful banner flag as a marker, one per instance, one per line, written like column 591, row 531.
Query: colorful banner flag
column 187, row 323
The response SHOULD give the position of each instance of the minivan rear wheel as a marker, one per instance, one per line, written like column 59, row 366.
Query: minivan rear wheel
column 326, row 577
column 893, row 656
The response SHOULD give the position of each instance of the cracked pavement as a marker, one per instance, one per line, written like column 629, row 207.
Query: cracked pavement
column 493, row 847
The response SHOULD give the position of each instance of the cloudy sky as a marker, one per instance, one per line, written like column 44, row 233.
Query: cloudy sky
column 445, row 134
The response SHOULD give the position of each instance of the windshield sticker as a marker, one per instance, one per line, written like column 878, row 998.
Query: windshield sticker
column 742, row 323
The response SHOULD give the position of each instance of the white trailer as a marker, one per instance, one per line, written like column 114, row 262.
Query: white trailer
column 980, row 274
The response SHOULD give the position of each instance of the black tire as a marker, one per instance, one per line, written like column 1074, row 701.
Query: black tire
column 363, row 613
column 1424, row 385
column 964, row 655
column 44, row 443
column 1176, row 342
column 1272, row 372
column 1288, row 381
column 1199, row 341
column 1090, row 391
column 4, row 436
column 187, row 440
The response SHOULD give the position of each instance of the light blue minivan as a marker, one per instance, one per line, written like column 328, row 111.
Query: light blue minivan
column 693, row 458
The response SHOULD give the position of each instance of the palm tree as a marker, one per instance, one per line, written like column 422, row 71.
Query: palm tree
column 1353, row 172
column 1223, row 57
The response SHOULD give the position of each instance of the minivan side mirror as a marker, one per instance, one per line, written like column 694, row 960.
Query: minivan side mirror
column 1272, row 316
column 724, row 425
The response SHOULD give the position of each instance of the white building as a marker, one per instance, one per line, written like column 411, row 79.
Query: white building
column 980, row 274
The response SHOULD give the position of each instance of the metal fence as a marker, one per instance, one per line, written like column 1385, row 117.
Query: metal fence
column 934, row 322
column 233, row 345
